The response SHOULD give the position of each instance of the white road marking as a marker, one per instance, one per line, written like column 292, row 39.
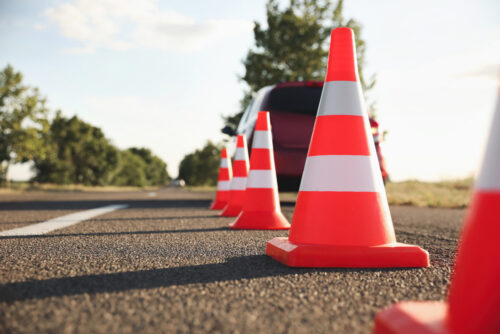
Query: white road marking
column 152, row 194
column 60, row 222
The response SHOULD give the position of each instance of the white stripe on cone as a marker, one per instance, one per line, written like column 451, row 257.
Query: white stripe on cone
column 262, row 139
column 224, row 163
column 238, row 183
column 223, row 185
column 341, row 98
column 241, row 154
column 260, row 178
column 355, row 173
column 489, row 175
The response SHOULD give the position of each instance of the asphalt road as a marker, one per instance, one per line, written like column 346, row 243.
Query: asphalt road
column 168, row 264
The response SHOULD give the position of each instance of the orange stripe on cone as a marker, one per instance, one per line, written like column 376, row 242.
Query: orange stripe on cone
column 337, row 135
column 225, row 174
column 261, row 158
column 238, row 182
column 261, row 208
column 474, row 297
column 323, row 208
column 342, row 217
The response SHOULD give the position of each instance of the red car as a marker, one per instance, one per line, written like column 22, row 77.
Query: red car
column 292, row 107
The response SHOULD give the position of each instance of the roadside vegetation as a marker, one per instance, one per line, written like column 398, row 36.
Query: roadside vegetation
column 444, row 194
column 201, row 168
column 21, row 186
column 65, row 151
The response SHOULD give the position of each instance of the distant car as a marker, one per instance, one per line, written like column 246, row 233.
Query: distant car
column 177, row 183
column 292, row 107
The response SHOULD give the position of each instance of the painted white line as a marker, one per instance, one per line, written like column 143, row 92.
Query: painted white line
column 60, row 222
column 152, row 194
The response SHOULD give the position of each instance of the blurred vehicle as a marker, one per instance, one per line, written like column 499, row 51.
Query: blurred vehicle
column 292, row 107
column 177, row 183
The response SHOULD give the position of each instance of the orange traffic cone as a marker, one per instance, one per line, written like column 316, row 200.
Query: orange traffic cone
column 239, row 180
column 474, row 297
column 342, row 217
column 225, row 175
column 261, row 208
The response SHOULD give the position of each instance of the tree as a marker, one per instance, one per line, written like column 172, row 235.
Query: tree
column 23, row 121
column 294, row 46
column 155, row 169
column 202, row 166
column 132, row 170
column 77, row 153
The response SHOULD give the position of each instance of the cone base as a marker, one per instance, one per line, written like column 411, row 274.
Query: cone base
column 328, row 256
column 412, row 317
column 259, row 220
column 231, row 211
column 218, row 205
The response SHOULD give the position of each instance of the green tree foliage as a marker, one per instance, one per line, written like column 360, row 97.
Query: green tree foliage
column 140, row 167
column 23, row 121
column 65, row 150
column 156, row 169
column 202, row 166
column 78, row 153
column 132, row 170
column 294, row 46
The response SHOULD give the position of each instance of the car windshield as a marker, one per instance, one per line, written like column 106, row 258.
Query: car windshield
column 302, row 100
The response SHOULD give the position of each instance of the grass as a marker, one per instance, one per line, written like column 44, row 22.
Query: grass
column 201, row 188
column 444, row 194
column 27, row 186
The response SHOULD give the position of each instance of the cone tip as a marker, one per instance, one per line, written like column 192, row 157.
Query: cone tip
column 342, row 64
column 240, row 141
column 262, row 123
column 224, row 152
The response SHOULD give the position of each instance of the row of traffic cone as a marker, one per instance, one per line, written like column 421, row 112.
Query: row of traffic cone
column 252, row 196
column 342, row 217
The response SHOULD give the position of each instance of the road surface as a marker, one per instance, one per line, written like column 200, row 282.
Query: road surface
column 168, row 264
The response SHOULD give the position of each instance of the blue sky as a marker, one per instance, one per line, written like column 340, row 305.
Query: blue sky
column 161, row 73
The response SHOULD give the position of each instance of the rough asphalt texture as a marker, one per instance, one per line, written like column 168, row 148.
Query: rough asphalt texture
column 168, row 264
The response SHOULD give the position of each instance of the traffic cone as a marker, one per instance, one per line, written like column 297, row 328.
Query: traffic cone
column 342, row 217
column 239, row 180
column 261, row 208
column 474, row 297
column 225, row 175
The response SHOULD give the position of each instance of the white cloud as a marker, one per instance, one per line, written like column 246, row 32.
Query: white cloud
column 124, row 25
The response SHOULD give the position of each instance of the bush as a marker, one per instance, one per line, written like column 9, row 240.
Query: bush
column 201, row 167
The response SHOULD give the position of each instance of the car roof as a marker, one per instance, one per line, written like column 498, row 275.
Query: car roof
column 308, row 83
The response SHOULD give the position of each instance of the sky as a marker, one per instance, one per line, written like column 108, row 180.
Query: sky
column 160, row 74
